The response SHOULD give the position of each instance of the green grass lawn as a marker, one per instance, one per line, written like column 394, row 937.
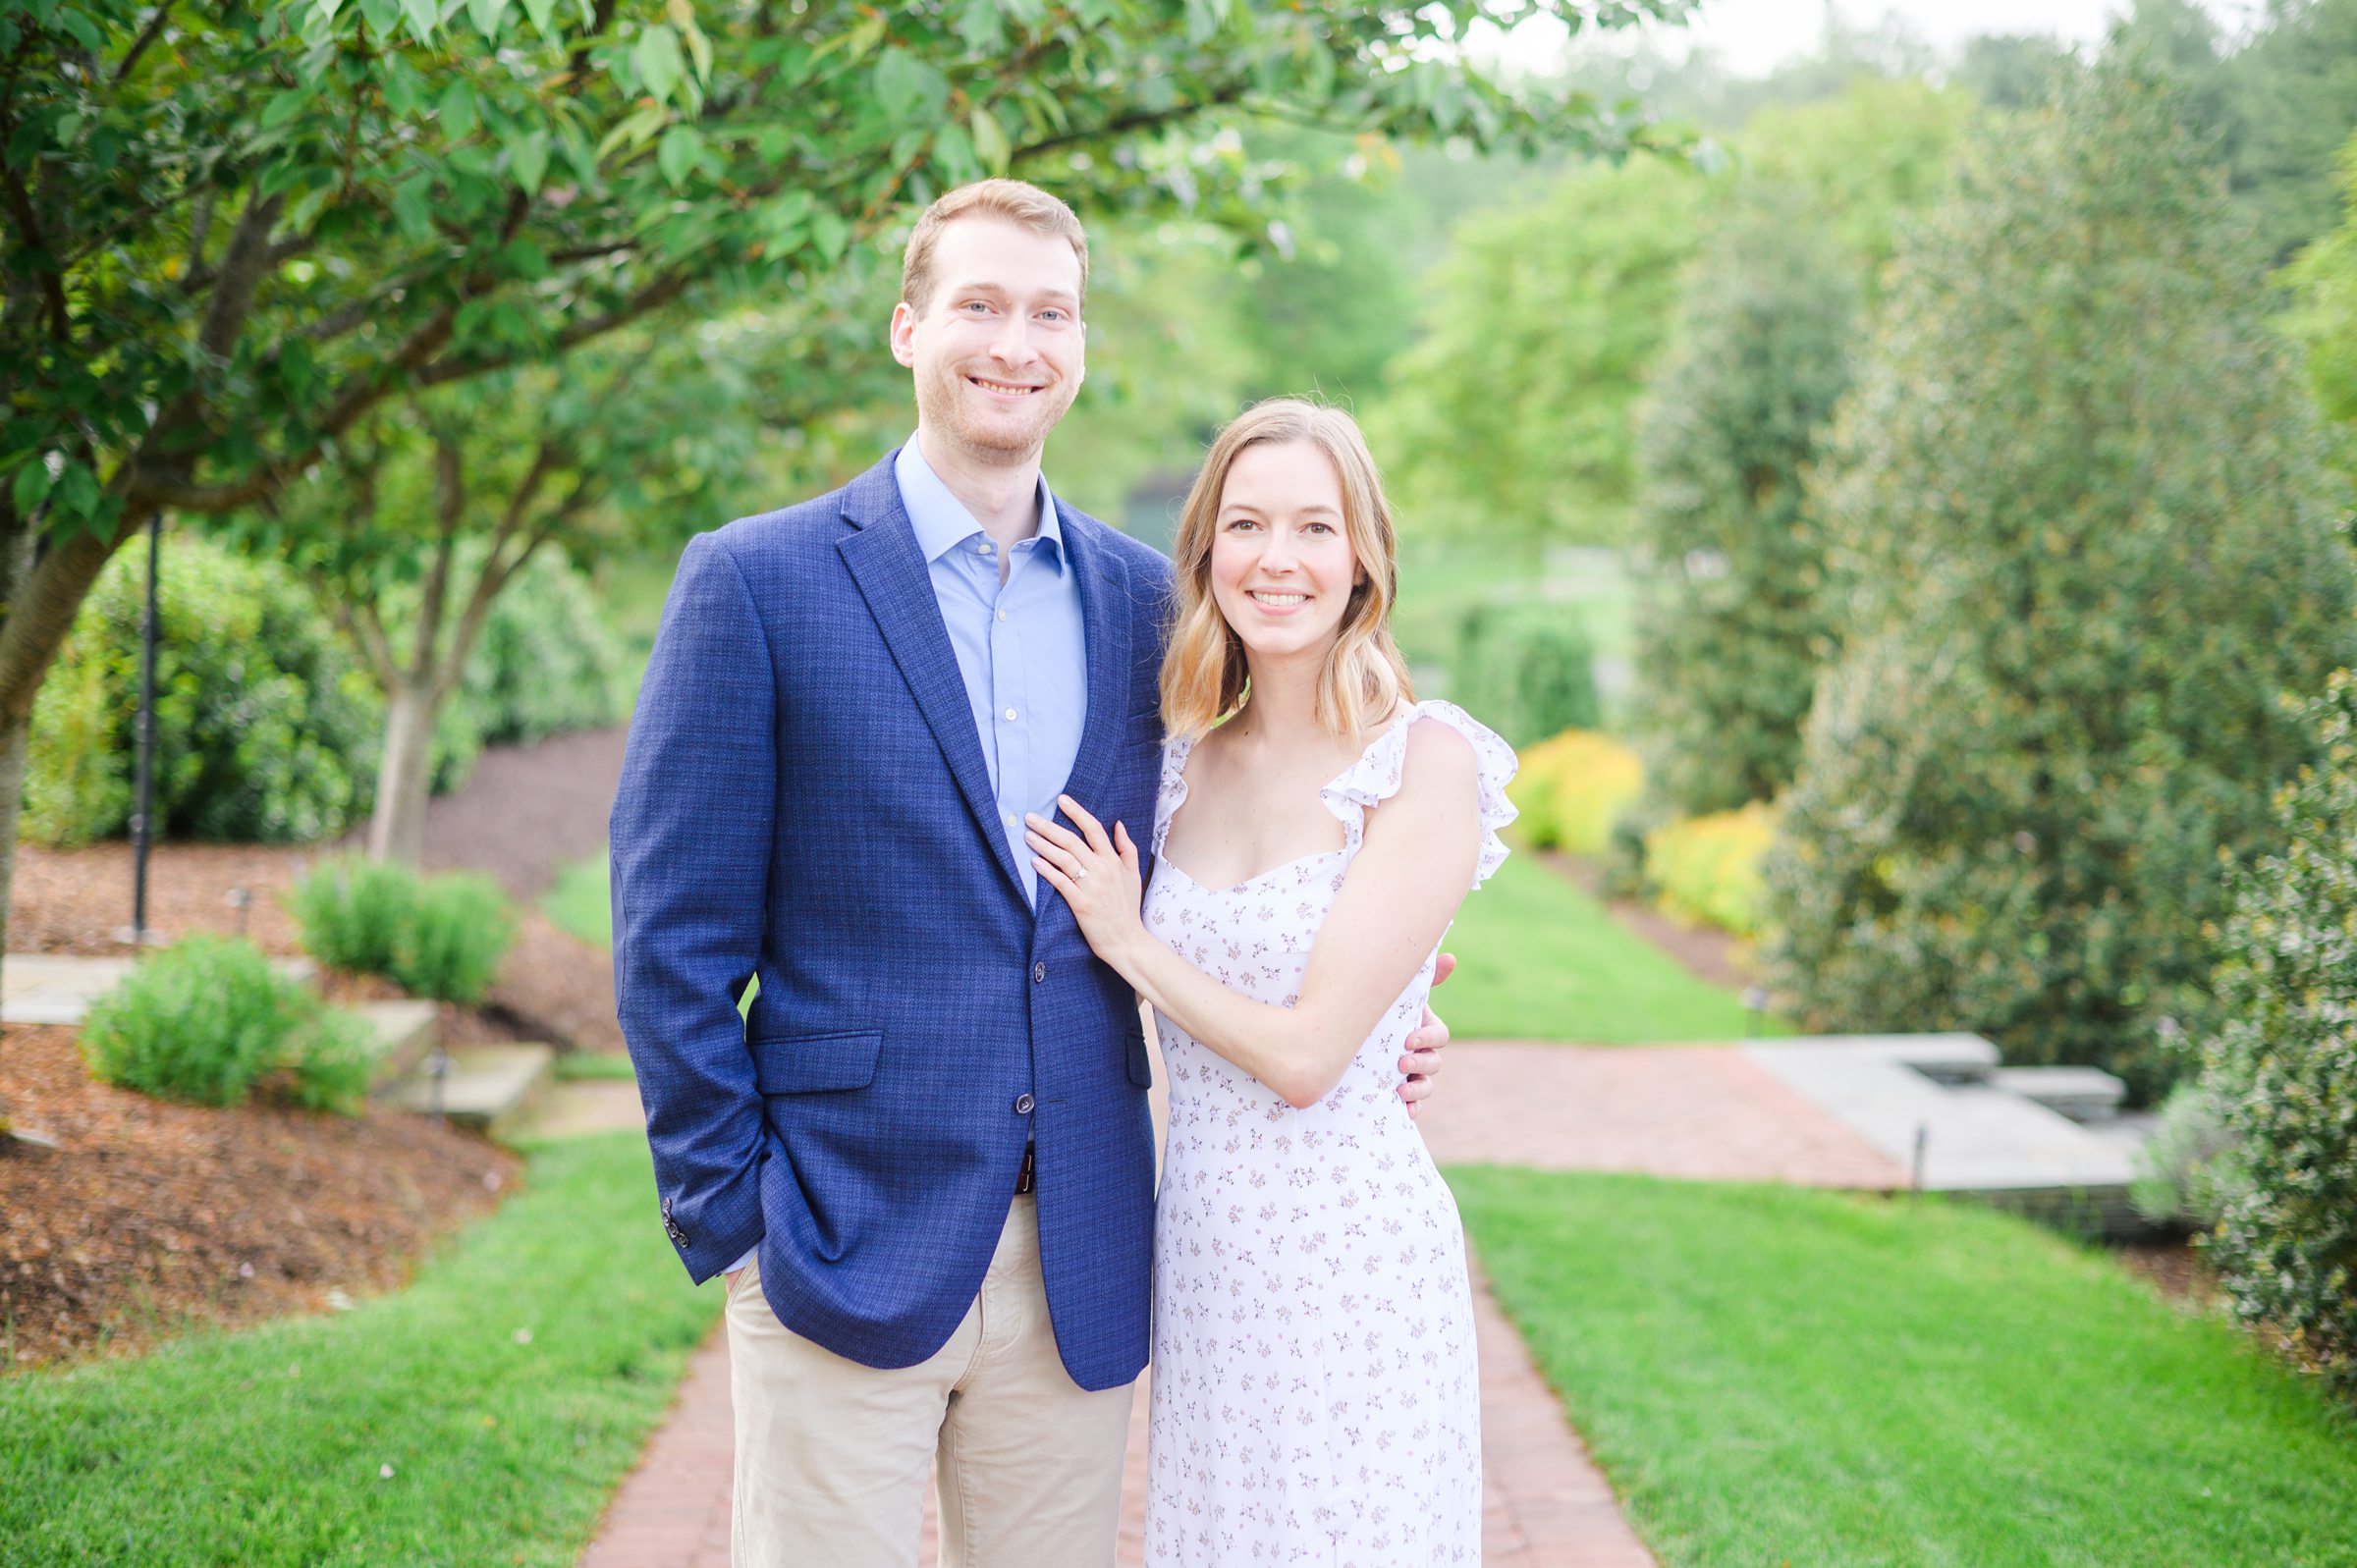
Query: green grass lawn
column 509, row 1390
column 1540, row 959
column 1773, row 1376
column 579, row 902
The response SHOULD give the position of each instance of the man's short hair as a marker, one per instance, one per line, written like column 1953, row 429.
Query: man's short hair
column 1024, row 205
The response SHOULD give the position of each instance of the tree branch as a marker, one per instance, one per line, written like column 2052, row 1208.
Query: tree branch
column 656, row 295
column 138, row 46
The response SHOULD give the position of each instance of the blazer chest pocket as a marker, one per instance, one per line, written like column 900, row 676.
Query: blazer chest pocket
column 809, row 1064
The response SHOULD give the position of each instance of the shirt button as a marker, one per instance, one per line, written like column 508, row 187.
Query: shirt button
column 1002, row 615
column 1010, row 716
column 1014, row 821
column 1039, row 973
column 1023, row 1105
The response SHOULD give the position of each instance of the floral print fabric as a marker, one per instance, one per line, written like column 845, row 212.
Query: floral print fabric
column 1315, row 1390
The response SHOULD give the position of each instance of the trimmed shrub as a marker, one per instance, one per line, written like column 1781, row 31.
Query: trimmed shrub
column 207, row 1019
column 2186, row 1170
column 352, row 910
column 2283, row 1066
column 1572, row 787
column 2084, row 536
column 546, row 660
column 1707, row 868
column 440, row 937
column 459, row 928
column 265, row 727
column 1525, row 670
column 1732, row 626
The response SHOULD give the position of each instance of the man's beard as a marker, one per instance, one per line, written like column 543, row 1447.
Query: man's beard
column 1018, row 434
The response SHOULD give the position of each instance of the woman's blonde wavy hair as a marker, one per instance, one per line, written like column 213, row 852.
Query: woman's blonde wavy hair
column 1203, row 674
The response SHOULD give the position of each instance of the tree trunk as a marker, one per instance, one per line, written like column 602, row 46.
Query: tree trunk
column 397, row 829
column 16, row 565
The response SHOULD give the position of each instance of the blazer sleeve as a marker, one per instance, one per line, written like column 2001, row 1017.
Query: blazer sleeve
column 690, row 846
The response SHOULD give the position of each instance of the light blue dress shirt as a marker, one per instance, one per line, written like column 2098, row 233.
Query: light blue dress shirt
column 1020, row 647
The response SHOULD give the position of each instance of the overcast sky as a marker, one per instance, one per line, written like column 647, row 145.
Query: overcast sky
column 1751, row 35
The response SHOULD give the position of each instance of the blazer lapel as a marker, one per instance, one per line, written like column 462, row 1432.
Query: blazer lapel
column 892, row 577
column 1105, row 615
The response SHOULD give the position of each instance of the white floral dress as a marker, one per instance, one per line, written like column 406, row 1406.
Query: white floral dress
column 1315, row 1393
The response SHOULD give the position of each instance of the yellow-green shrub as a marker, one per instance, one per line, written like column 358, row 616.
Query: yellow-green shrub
column 1708, row 868
column 1572, row 788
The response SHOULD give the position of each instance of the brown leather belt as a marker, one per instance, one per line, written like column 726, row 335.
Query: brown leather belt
column 1024, row 1179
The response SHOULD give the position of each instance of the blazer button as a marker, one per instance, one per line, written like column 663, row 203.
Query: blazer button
column 1023, row 1105
column 1039, row 973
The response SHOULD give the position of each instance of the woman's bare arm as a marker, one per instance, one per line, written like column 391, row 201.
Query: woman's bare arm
column 1402, row 888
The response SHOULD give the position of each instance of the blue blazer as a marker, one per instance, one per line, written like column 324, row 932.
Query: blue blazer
column 804, row 801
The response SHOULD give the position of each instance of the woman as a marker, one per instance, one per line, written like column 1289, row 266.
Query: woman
column 1314, row 1394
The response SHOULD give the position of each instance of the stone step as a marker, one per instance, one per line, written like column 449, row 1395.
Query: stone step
column 56, row 987
column 405, row 1035
column 2086, row 1095
column 1953, row 1058
column 1976, row 1139
column 489, row 1088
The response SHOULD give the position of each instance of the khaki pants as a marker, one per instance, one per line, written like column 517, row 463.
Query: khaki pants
column 831, row 1455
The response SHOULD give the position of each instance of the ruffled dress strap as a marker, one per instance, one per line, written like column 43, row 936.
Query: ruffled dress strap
column 1170, row 794
column 1375, row 777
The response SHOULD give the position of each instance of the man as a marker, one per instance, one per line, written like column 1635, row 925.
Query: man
column 924, row 1158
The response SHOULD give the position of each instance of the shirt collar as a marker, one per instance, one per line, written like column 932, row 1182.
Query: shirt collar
column 940, row 519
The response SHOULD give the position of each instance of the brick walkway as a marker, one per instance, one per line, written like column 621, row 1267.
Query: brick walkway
column 1545, row 1505
column 1707, row 1113
column 1704, row 1112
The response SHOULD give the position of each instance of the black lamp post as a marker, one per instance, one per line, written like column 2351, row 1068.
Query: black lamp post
column 142, row 816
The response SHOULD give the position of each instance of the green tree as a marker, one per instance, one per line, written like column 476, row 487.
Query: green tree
column 2087, row 538
column 1514, row 415
column 1731, row 627
column 1513, row 411
column 2289, row 101
column 2322, row 315
column 235, row 232
column 2282, row 1064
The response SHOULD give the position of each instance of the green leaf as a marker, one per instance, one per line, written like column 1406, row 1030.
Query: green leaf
column 457, row 111
column 33, row 484
column 528, row 159
column 285, row 107
column 681, row 146
column 954, row 150
column 541, row 12
column 77, row 490
column 990, row 141
column 699, row 47
column 658, row 61
column 411, row 210
column 83, row 30
column 905, row 84
column 979, row 25
column 327, row 9
column 634, row 128
column 486, row 15
column 522, row 258
column 829, row 233
column 580, row 156
column 425, row 17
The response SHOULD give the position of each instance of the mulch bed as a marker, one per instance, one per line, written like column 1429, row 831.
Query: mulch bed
column 150, row 1217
